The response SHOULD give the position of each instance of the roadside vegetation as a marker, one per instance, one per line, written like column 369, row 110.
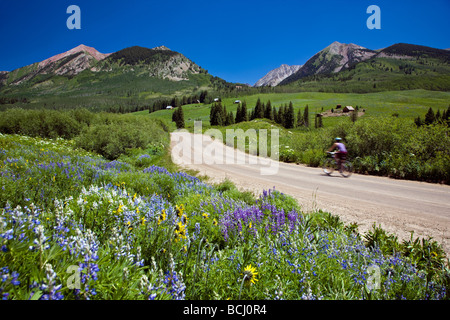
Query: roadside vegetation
column 408, row 142
column 93, row 208
column 75, row 225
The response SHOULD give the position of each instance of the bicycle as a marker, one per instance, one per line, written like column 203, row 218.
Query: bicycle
column 330, row 165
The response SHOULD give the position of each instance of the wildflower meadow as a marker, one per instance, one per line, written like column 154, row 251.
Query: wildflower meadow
column 74, row 225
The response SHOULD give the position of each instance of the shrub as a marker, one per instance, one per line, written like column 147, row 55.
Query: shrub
column 313, row 157
column 116, row 135
column 41, row 123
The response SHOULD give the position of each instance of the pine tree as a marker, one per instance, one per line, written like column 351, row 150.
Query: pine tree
column 306, row 117
column 203, row 96
column 175, row 116
column 216, row 115
column 354, row 116
column 446, row 116
column 238, row 114
column 299, row 118
column 252, row 114
column 281, row 115
column 230, row 119
column 289, row 119
column 244, row 113
column 224, row 113
column 429, row 117
column 258, row 111
column 418, row 121
column 180, row 118
column 268, row 111
column 274, row 114
column 437, row 117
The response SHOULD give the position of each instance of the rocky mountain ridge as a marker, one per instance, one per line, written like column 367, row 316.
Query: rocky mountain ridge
column 275, row 76
column 338, row 57
column 334, row 58
column 160, row 62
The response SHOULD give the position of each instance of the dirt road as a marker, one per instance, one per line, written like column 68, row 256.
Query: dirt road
column 399, row 206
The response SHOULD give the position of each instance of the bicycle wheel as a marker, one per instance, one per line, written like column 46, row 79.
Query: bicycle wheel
column 346, row 169
column 329, row 166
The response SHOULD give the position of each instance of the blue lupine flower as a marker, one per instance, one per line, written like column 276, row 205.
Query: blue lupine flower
column 49, row 286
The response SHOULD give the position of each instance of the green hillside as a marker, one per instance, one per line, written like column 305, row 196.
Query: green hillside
column 398, row 67
column 407, row 104
column 128, row 80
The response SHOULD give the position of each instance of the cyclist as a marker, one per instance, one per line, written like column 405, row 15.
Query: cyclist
column 341, row 152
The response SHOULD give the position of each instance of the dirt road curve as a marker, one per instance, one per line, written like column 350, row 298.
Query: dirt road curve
column 398, row 206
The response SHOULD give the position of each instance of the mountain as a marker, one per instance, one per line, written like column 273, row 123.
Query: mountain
column 3, row 77
column 275, row 76
column 130, row 79
column 160, row 62
column 334, row 58
column 411, row 51
column 69, row 63
column 351, row 68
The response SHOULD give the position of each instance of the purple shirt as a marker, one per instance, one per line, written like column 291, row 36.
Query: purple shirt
column 341, row 147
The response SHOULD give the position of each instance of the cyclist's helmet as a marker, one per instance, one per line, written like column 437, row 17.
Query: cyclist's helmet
column 337, row 139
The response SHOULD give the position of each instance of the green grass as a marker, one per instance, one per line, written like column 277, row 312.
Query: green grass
column 408, row 104
column 378, row 142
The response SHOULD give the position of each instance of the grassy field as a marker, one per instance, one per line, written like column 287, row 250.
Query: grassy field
column 408, row 104
column 379, row 142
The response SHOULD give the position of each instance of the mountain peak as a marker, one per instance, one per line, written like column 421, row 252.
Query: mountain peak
column 80, row 48
column 334, row 58
column 343, row 48
column 275, row 76
column 163, row 48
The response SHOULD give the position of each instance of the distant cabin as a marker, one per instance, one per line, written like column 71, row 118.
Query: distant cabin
column 237, row 101
column 169, row 107
column 348, row 109
column 216, row 99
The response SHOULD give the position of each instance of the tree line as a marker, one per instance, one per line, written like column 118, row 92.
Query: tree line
column 284, row 115
column 176, row 102
column 432, row 117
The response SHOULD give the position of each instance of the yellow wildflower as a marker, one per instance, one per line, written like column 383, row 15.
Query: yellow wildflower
column 179, row 210
column 180, row 231
column 250, row 275
column 129, row 225
column 162, row 216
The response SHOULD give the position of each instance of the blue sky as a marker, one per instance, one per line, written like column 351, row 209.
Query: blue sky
column 239, row 41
